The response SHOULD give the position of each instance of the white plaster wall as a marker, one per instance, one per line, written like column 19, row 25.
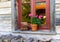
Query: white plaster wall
column 5, row 16
column 57, row 14
column 57, row 1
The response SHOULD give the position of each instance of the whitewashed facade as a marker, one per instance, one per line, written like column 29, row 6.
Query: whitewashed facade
column 6, row 20
column 5, row 15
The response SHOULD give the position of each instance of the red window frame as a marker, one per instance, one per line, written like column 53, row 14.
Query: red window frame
column 45, row 27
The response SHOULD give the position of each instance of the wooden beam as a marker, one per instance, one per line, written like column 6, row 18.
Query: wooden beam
column 19, row 13
column 33, row 7
column 48, row 13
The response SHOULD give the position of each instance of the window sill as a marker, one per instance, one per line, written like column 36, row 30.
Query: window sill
column 36, row 32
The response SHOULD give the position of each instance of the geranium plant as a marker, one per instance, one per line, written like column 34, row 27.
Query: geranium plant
column 35, row 19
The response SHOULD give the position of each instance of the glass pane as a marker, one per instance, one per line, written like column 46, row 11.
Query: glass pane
column 25, row 10
column 25, row 14
column 41, row 12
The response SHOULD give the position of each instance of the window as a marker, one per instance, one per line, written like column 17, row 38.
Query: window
column 36, row 8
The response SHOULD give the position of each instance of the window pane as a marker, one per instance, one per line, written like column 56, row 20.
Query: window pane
column 25, row 14
column 41, row 13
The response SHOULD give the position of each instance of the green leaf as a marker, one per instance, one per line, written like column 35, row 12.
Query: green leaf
column 37, row 21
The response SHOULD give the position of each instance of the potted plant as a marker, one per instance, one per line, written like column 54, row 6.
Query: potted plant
column 35, row 21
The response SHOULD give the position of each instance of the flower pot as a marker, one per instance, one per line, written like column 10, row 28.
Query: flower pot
column 34, row 27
